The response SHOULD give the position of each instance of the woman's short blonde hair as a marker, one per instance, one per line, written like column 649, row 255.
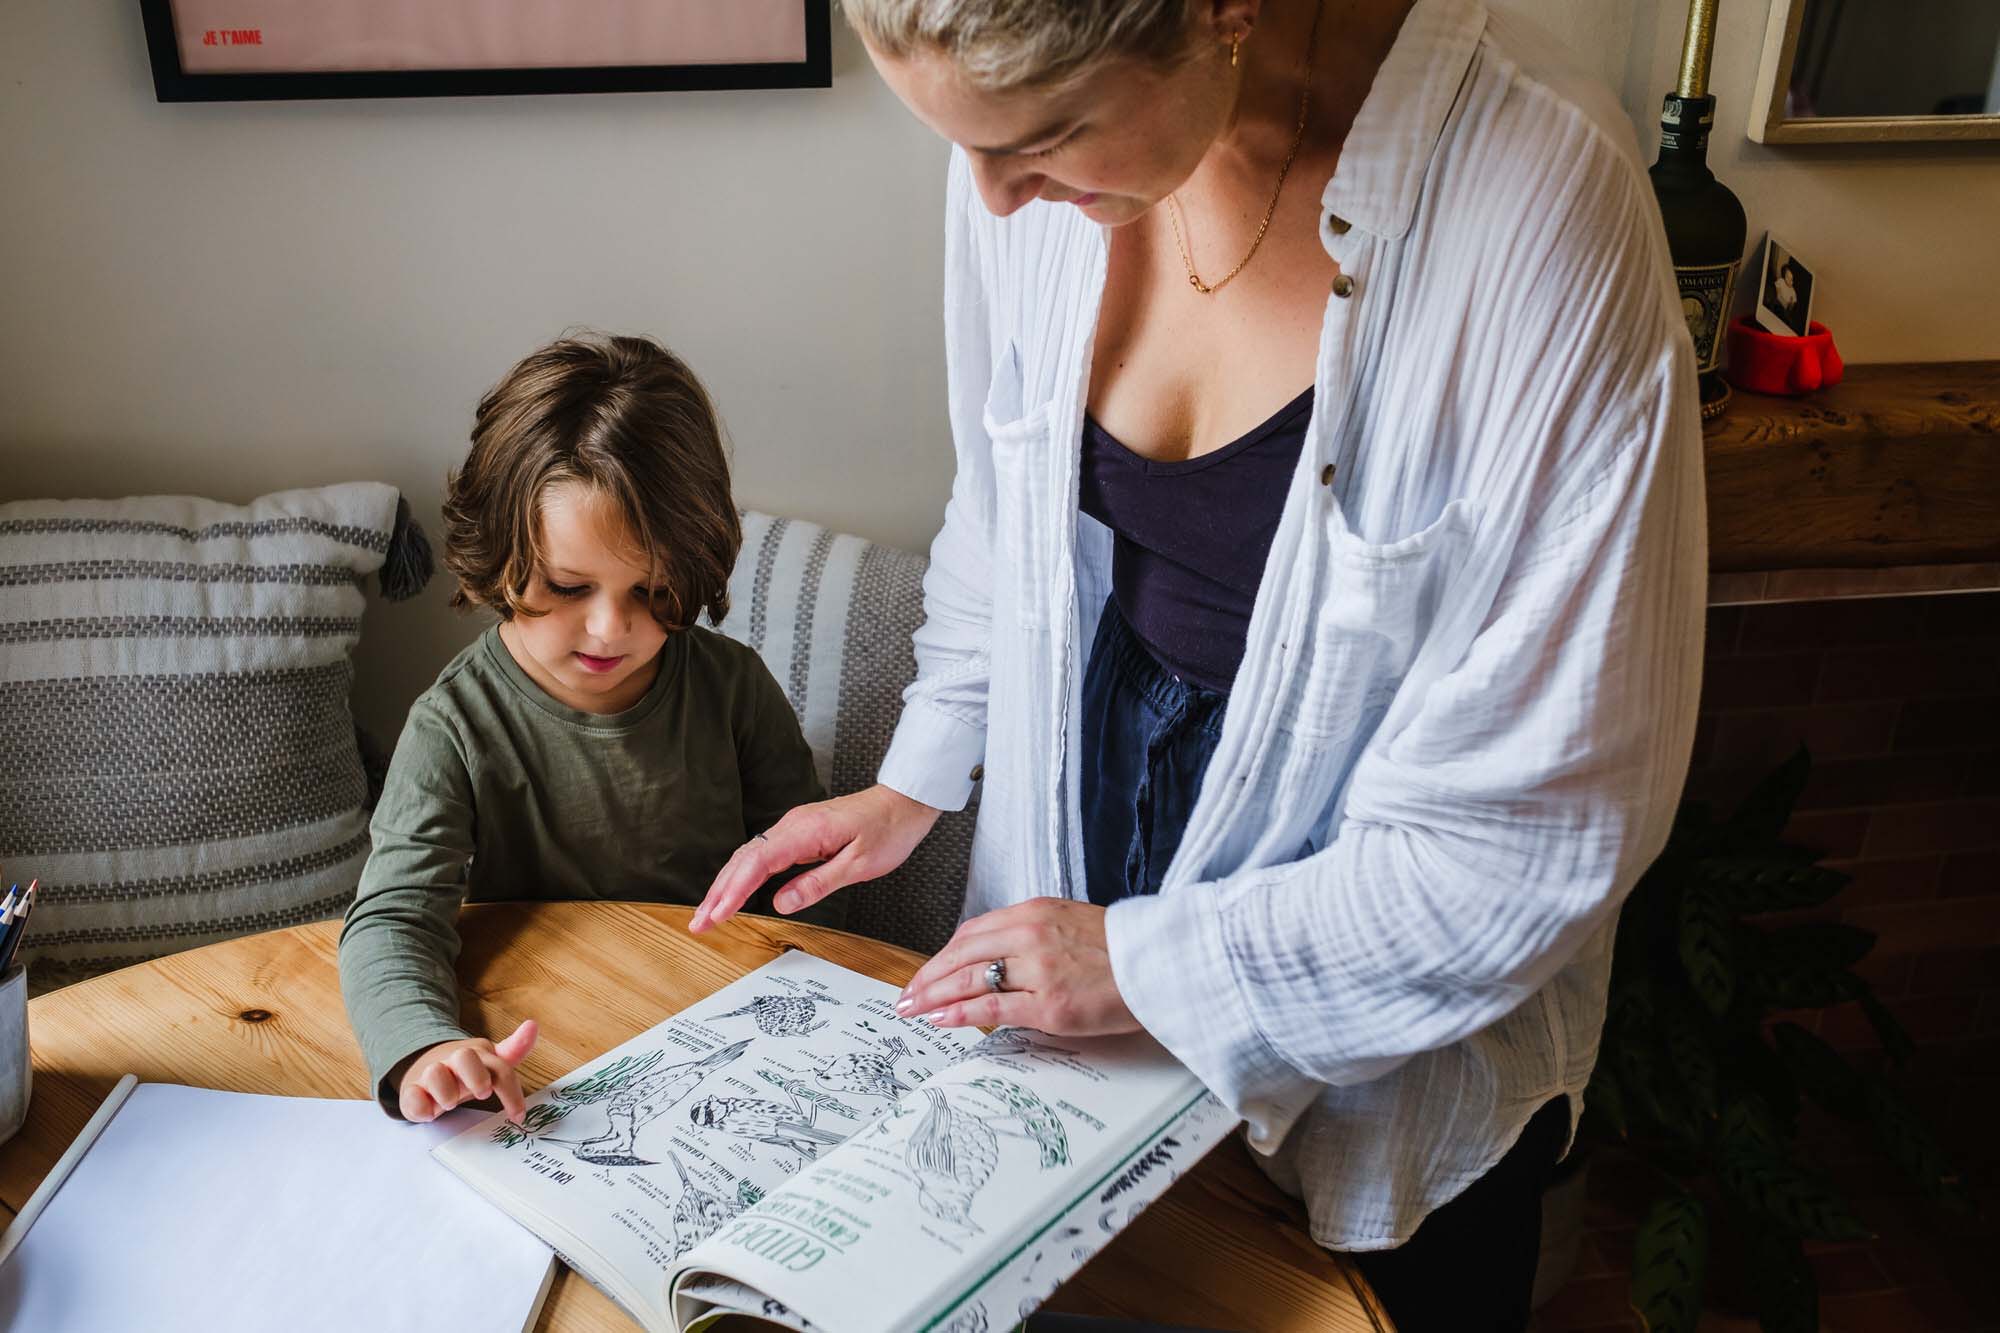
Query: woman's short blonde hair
column 1001, row 44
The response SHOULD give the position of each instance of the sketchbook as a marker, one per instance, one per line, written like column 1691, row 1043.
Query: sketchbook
column 790, row 1154
column 195, row 1211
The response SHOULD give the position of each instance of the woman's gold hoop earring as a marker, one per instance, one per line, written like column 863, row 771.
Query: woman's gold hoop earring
column 1235, row 45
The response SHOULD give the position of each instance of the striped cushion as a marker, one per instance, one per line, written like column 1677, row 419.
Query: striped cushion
column 832, row 616
column 180, row 758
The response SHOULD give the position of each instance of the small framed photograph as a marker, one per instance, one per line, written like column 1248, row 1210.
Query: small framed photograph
column 1784, row 291
column 252, row 50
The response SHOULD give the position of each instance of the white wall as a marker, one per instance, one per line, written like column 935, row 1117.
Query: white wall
column 234, row 298
column 1901, row 236
column 239, row 297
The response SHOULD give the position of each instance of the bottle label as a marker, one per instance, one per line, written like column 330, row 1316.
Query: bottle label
column 1705, row 292
column 1686, row 121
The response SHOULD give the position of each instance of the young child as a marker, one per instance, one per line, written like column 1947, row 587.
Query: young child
column 596, row 743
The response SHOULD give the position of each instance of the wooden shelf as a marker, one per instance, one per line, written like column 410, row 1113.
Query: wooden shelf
column 1896, row 465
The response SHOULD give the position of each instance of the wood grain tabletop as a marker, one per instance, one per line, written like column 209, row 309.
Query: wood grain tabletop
column 1223, row 1249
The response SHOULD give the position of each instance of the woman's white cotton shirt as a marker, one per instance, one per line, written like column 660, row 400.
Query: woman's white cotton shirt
column 1465, row 707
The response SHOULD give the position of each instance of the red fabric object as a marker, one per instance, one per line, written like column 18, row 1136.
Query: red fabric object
column 1774, row 363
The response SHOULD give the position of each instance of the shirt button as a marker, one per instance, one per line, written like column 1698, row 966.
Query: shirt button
column 1343, row 286
column 978, row 772
column 1336, row 224
column 1326, row 475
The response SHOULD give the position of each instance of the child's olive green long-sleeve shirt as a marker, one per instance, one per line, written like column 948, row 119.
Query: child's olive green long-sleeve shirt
column 498, row 792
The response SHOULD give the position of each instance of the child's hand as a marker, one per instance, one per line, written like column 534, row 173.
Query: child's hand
column 454, row 1072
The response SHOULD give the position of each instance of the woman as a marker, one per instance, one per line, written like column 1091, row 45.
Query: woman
column 1320, row 593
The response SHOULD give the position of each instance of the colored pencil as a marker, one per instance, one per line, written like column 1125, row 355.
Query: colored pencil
column 17, row 928
column 7, row 925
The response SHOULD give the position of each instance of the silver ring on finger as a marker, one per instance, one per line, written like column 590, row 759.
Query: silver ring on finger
column 996, row 975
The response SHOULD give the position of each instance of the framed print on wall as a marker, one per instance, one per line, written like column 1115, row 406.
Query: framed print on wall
column 256, row 50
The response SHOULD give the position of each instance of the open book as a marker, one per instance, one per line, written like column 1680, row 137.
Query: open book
column 790, row 1153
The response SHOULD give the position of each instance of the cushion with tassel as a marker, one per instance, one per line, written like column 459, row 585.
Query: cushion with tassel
column 174, row 674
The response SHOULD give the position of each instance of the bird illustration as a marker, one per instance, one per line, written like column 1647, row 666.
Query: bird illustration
column 1014, row 1041
column 1033, row 1115
column 953, row 1154
column 872, row 1073
column 762, row 1122
column 781, row 1015
column 631, row 1103
column 698, row 1212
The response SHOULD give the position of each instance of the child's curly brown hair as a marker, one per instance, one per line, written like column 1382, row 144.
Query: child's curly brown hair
column 624, row 417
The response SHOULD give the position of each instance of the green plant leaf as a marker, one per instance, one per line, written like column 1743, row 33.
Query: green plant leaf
column 1655, row 1098
column 1707, row 949
column 1787, row 1288
column 1604, row 1104
column 1768, row 808
column 1827, row 945
column 1896, row 1043
column 1669, row 1264
column 1765, row 1183
column 1910, row 1143
column 1751, row 883
column 1747, row 1124
column 1820, row 1072
column 1802, row 967
column 1694, row 1059
column 1684, row 1040
column 1651, row 1101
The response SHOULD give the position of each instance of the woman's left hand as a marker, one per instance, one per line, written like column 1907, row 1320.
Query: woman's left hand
column 1058, row 973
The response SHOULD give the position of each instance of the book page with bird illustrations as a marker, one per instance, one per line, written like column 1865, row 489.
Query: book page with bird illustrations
column 643, row 1153
column 966, row 1203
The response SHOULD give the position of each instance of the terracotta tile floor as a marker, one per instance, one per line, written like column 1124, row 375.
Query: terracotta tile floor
column 1926, row 1270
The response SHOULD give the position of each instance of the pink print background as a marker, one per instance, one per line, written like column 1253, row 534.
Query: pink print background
column 298, row 36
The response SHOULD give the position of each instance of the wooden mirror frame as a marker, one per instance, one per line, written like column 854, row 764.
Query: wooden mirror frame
column 1769, row 124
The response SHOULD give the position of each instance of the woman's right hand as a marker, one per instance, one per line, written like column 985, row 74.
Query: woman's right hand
column 858, row 837
column 454, row 1072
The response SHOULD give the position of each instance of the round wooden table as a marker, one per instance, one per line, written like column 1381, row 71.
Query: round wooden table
column 1222, row 1249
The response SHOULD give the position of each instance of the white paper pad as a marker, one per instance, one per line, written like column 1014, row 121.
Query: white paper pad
column 218, row 1211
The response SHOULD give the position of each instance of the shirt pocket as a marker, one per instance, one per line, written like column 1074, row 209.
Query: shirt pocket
column 1376, row 607
column 1026, row 490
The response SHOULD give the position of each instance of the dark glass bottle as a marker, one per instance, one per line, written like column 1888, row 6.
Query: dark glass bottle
column 1705, row 223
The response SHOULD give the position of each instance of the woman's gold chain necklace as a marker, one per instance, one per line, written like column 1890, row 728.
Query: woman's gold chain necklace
column 1298, row 137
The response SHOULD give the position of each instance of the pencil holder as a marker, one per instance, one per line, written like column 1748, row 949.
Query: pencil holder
column 16, row 1073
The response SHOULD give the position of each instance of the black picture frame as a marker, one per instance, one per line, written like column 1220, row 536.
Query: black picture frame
column 173, row 84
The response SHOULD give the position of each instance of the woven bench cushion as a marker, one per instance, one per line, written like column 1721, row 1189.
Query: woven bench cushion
column 174, row 675
column 832, row 616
